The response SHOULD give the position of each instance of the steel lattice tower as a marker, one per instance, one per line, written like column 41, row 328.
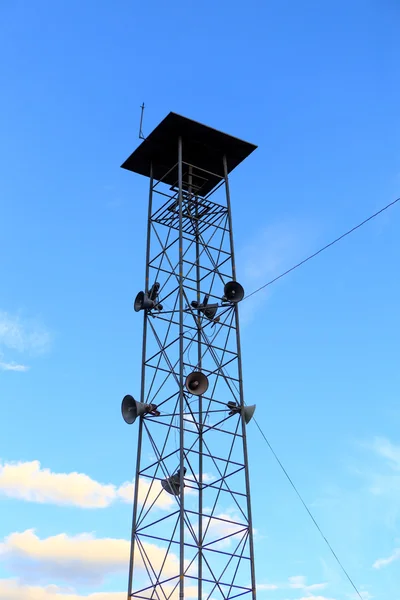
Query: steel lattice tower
column 192, row 530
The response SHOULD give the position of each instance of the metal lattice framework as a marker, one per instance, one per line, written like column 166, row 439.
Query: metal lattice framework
column 192, row 529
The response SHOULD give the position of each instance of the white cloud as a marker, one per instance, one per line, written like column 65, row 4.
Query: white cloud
column 272, row 250
column 12, row 366
column 364, row 594
column 266, row 587
column 12, row 589
column 23, row 335
column 222, row 525
column 31, row 482
column 384, row 562
column 312, row 597
column 299, row 582
column 147, row 493
column 384, row 481
column 77, row 558
column 221, row 529
column 386, row 449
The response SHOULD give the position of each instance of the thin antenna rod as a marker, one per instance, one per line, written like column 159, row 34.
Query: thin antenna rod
column 141, row 136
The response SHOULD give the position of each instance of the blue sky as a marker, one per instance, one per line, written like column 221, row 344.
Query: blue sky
column 316, row 86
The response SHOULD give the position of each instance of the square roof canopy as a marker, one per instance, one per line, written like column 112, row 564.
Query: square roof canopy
column 202, row 147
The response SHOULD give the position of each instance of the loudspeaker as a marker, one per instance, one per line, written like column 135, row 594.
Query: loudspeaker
column 196, row 383
column 233, row 292
column 131, row 409
column 172, row 484
column 208, row 310
column 143, row 302
column 248, row 411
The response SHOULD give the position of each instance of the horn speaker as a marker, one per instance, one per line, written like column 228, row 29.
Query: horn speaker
column 233, row 292
column 143, row 302
column 196, row 383
column 172, row 484
column 208, row 310
column 248, row 411
column 131, row 409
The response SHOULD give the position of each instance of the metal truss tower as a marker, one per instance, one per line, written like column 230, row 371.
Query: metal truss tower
column 192, row 534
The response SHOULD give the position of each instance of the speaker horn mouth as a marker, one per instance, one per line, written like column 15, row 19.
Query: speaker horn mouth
column 138, row 304
column 248, row 412
column 210, row 311
column 143, row 301
column 131, row 409
column 196, row 383
column 172, row 484
column 233, row 292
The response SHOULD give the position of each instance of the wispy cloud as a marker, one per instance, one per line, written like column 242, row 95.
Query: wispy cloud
column 384, row 562
column 271, row 251
column 274, row 248
column 23, row 335
column 365, row 595
column 385, row 477
column 262, row 587
column 13, row 366
column 299, row 582
column 296, row 582
column 312, row 597
column 386, row 449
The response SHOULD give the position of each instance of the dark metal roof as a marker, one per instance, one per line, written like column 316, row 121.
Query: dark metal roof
column 203, row 147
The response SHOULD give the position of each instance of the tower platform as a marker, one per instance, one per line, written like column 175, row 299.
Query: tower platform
column 203, row 148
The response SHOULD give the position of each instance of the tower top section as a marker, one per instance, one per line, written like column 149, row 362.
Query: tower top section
column 203, row 148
